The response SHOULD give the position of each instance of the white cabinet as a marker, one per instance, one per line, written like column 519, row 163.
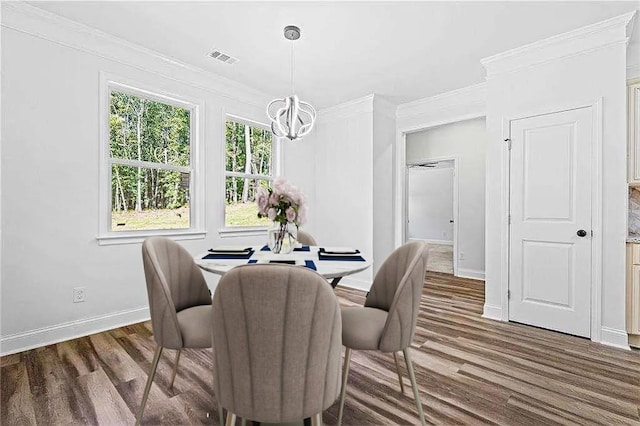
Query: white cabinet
column 633, row 294
column 634, row 131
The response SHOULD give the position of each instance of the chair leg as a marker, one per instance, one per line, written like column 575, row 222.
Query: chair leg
column 345, row 376
column 316, row 420
column 175, row 368
column 416, row 394
column 231, row 419
column 147, row 388
column 395, row 357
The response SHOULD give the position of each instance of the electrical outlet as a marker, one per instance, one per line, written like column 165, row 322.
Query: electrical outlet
column 79, row 294
column 461, row 256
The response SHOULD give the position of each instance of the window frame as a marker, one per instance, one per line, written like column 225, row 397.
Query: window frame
column 276, row 166
column 106, row 236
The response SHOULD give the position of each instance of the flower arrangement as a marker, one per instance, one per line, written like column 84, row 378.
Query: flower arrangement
column 282, row 203
column 285, row 205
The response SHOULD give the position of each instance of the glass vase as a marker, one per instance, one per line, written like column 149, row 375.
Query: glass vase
column 281, row 238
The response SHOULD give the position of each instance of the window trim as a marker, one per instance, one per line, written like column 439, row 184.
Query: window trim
column 109, row 83
column 276, row 167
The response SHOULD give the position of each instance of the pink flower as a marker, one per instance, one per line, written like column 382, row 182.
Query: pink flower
column 271, row 214
column 279, row 184
column 291, row 214
column 274, row 199
column 262, row 199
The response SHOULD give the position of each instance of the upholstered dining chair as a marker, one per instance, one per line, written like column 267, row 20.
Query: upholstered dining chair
column 179, row 301
column 277, row 344
column 387, row 322
column 305, row 238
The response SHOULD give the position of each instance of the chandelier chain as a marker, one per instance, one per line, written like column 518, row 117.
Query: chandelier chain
column 293, row 64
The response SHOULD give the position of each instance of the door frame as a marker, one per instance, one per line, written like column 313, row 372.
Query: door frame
column 456, row 194
column 596, row 207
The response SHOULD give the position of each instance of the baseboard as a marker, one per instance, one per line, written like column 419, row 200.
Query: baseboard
column 439, row 242
column 70, row 330
column 355, row 283
column 492, row 312
column 614, row 337
column 470, row 273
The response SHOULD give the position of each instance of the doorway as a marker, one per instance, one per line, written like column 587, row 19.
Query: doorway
column 432, row 200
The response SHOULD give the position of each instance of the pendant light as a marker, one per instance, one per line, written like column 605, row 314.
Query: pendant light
column 290, row 117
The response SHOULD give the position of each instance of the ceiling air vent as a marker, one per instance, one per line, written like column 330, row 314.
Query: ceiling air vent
column 223, row 57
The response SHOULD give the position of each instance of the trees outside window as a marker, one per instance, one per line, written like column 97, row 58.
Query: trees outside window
column 150, row 158
column 249, row 164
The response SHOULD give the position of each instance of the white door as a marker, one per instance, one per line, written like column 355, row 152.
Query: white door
column 550, row 234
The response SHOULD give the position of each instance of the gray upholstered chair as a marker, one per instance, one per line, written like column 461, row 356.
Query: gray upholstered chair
column 179, row 301
column 277, row 344
column 305, row 238
column 387, row 322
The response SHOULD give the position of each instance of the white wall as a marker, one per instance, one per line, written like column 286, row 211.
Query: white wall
column 576, row 69
column 50, row 163
column 465, row 140
column 384, row 128
column 430, row 204
column 336, row 173
column 345, row 166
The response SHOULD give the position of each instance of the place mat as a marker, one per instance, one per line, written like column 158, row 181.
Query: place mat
column 229, row 255
column 350, row 258
column 303, row 248
column 307, row 263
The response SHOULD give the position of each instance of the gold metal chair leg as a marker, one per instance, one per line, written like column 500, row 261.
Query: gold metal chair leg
column 147, row 388
column 316, row 420
column 231, row 419
column 416, row 394
column 395, row 357
column 175, row 368
column 345, row 376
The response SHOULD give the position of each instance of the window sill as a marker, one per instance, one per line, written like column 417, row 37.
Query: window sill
column 242, row 231
column 140, row 236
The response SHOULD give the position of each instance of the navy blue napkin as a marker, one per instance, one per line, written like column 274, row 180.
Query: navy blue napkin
column 308, row 263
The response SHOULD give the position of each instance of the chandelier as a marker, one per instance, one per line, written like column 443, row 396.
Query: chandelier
column 290, row 117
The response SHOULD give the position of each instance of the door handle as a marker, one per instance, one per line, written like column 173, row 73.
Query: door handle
column 450, row 221
column 581, row 233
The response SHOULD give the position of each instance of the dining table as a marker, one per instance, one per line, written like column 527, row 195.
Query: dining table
column 333, row 263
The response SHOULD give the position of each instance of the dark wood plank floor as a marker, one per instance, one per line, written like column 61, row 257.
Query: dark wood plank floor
column 470, row 371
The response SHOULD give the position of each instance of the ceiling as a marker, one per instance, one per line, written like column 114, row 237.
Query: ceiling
column 403, row 50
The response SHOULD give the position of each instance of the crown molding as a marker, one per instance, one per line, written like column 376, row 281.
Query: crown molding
column 22, row 17
column 363, row 105
column 585, row 39
column 470, row 95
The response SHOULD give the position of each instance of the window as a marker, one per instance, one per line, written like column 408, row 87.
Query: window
column 250, row 163
column 149, row 165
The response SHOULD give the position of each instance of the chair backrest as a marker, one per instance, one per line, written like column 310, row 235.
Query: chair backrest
column 277, row 337
column 397, row 289
column 305, row 238
column 174, row 283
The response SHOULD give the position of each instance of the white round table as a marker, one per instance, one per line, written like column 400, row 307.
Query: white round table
column 333, row 270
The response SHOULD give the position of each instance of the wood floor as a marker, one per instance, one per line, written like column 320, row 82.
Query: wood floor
column 470, row 371
column 440, row 258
